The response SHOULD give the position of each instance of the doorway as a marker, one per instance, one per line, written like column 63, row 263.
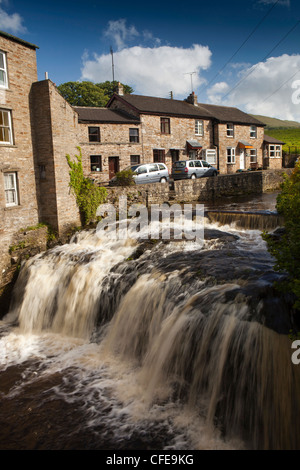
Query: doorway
column 113, row 166
column 242, row 159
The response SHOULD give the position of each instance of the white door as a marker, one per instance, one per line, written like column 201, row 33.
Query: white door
column 242, row 159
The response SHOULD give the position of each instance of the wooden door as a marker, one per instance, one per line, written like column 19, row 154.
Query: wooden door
column 113, row 166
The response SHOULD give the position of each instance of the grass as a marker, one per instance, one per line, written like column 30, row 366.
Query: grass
column 291, row 138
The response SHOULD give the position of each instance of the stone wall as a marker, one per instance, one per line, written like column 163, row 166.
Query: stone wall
column 55, row 135
column 146, row 194
column 200, row 190
column 17, row 157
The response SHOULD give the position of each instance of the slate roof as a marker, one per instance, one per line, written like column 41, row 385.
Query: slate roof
column 230, row 114
column 90, row 115
column 271, row 140
column 164, row 106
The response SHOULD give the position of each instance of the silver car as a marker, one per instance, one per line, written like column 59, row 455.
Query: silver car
column 185, row 169
column 150, row 173
column 147, row 173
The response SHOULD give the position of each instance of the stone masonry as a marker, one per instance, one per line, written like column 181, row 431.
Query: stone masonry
column 16, row 157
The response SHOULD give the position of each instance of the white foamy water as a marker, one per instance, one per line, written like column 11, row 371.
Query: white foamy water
column 159, row 364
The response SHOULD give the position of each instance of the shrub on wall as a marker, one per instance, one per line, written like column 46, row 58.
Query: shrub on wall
column 125, row 178
column 286, row 249
column 88, row 195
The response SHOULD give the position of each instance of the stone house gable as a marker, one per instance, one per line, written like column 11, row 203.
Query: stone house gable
column 18, row 198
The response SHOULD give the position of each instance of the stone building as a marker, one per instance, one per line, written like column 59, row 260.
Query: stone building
column 55, row 134
column 272, row 153
column 18, row 196
column 142, row 129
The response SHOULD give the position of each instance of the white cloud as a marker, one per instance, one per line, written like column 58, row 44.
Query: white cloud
column 152, row 71
column 120, row 33
column 266, row 89
column 11, row 22
column 216, row 92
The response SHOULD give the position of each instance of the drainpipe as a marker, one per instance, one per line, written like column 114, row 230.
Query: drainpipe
column 214, row 123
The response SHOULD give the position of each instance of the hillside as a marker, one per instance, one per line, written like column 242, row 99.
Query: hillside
column 274, row 123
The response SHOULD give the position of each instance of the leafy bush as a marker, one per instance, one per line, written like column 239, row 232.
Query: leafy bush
column 286, row 248
column 125, row 178
column 88, row 195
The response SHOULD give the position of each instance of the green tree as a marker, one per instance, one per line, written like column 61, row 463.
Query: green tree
column 88, row 195
column 88, row 93
column 286, row 248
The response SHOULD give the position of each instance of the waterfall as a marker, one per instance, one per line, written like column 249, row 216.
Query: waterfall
column 258, row 220
column 201, row 328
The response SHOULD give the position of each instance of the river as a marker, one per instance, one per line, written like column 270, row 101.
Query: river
column 145, row 344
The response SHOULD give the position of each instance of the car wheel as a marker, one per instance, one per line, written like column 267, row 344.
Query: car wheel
column 215, row 173
column 193, row 177
column 163, row 180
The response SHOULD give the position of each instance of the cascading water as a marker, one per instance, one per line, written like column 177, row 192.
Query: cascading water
column 150, row 345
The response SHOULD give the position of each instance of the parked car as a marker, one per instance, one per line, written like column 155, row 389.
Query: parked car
column 147, row 173
column 184, row 169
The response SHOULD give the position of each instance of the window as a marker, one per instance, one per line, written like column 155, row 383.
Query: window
column 141, row 170
column 5, row 127
column 135, row 160
column 253, row 132
column 211, row 156
column 159, row 155
column 230, row 130
column 278, row 150
column 153, row 167
column 253, row 156
column 3, row 70
column 134, row 135
column 96, row 164
column 230, row 155
column 165, row 126
column 11, row 189
column 199, row 127
column 275, row 151
column 94, row 134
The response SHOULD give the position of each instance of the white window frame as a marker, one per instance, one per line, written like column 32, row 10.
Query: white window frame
column 211, row 156
column 230, row 129
column 199, row 127
column 278, row 151
column 275, row 151
column 11, row 189
column 230, row 155
column 253, row 132
column 4, row 71
column 9, row 127
column 253, row 156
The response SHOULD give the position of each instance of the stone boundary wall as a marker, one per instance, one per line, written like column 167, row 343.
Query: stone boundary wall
column 201, row 190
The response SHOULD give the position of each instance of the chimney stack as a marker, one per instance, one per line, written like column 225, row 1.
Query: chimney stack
column 120, row 90
column 192, row 99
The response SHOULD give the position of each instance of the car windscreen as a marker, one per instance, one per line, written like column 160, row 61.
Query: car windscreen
column 179, row 164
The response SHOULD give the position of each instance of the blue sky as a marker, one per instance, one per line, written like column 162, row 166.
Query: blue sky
column 239, row 53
